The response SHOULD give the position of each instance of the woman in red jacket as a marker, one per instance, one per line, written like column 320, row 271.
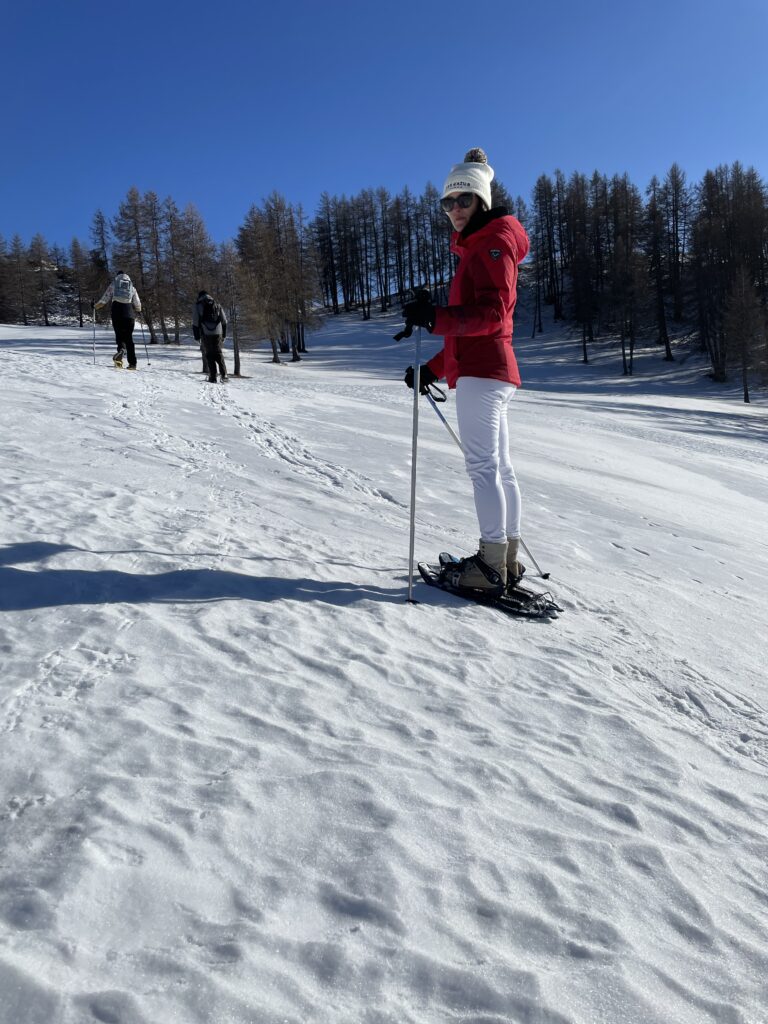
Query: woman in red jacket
column 477, row 360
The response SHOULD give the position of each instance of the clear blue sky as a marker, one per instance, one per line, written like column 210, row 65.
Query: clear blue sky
column 220, row 103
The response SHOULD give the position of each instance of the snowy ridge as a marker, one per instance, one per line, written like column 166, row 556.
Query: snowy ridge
column 244, row 781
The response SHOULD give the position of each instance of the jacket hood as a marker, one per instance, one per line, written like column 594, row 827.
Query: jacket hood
column 496, row 223
column 482, row 217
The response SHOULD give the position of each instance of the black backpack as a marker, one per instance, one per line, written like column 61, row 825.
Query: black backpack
column 210, row 314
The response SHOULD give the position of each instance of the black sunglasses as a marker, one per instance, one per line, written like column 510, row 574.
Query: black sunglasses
column 464, row 201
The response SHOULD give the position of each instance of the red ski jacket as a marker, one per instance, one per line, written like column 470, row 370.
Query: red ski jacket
column 477, row 322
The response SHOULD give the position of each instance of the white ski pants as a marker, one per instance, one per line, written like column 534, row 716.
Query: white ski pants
column 481, row 408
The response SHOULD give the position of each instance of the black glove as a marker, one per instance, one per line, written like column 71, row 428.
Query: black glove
column 93, row 303
column 196, row 333
column 420, row 312
column 426, row 377
column 223, row 332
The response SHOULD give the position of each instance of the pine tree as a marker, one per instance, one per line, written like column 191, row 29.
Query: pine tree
column 229, row 289
column 40, row 261
column 154, row 282
column 674, row 200
column 101, row 236
column 20, row 280
column 5, row 271
column 80, row 267
column 132, row 253
column 172, row 234
column 744, row 325
column 655, row 235
column 579, row 245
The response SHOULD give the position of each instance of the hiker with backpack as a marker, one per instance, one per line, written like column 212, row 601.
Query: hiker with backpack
column 209, row 326
column 125, row 303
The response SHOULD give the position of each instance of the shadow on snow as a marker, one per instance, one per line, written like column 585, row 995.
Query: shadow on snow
column 23, row 589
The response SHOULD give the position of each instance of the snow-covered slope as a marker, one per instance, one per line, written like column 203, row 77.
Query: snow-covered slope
column 242, row 780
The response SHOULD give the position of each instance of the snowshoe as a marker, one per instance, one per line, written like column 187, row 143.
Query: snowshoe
column 516, row 600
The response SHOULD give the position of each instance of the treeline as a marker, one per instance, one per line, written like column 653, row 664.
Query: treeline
column 374, row 247
column 266, row 277
column 627, row 266
column 680, row 259
column 275, row 277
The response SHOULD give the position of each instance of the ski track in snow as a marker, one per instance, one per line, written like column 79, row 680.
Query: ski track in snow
column 274, row 442
column 244, row 781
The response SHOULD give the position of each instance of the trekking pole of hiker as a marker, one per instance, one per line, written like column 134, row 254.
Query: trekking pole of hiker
column 455, row 436
column 448, row 427
column 93, row 318
column 414, row 449
column 144, row 337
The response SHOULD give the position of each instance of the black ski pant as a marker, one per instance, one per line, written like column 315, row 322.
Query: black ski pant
column 124, row 338
column 213, row 354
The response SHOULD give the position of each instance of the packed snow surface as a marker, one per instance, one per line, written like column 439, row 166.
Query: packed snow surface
column 243, row 780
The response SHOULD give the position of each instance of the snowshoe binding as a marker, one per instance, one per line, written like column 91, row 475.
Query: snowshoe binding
column 514, row 600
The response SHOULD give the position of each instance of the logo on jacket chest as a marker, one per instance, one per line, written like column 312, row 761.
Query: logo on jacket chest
column 494, row 253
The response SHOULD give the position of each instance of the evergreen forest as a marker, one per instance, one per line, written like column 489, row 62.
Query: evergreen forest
column 681, row 261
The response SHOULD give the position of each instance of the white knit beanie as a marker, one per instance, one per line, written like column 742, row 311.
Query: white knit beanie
column 474, row 175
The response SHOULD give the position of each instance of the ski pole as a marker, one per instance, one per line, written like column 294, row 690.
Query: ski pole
column 414, row 445
column 448, row 426
column 144, row 337
column 455, row 436
column 527, row 550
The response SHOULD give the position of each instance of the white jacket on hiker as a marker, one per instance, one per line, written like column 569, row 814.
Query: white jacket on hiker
column 121, row 290
column 124, row 304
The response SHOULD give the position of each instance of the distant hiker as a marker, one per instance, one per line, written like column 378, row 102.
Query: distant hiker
column 209, row 326
column 478, row 361
column 125, row 304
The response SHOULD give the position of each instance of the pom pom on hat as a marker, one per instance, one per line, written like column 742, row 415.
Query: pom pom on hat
column 474, row 175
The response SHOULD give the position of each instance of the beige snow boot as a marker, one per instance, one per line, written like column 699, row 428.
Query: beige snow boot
column 515, row 568
column 486, row 571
